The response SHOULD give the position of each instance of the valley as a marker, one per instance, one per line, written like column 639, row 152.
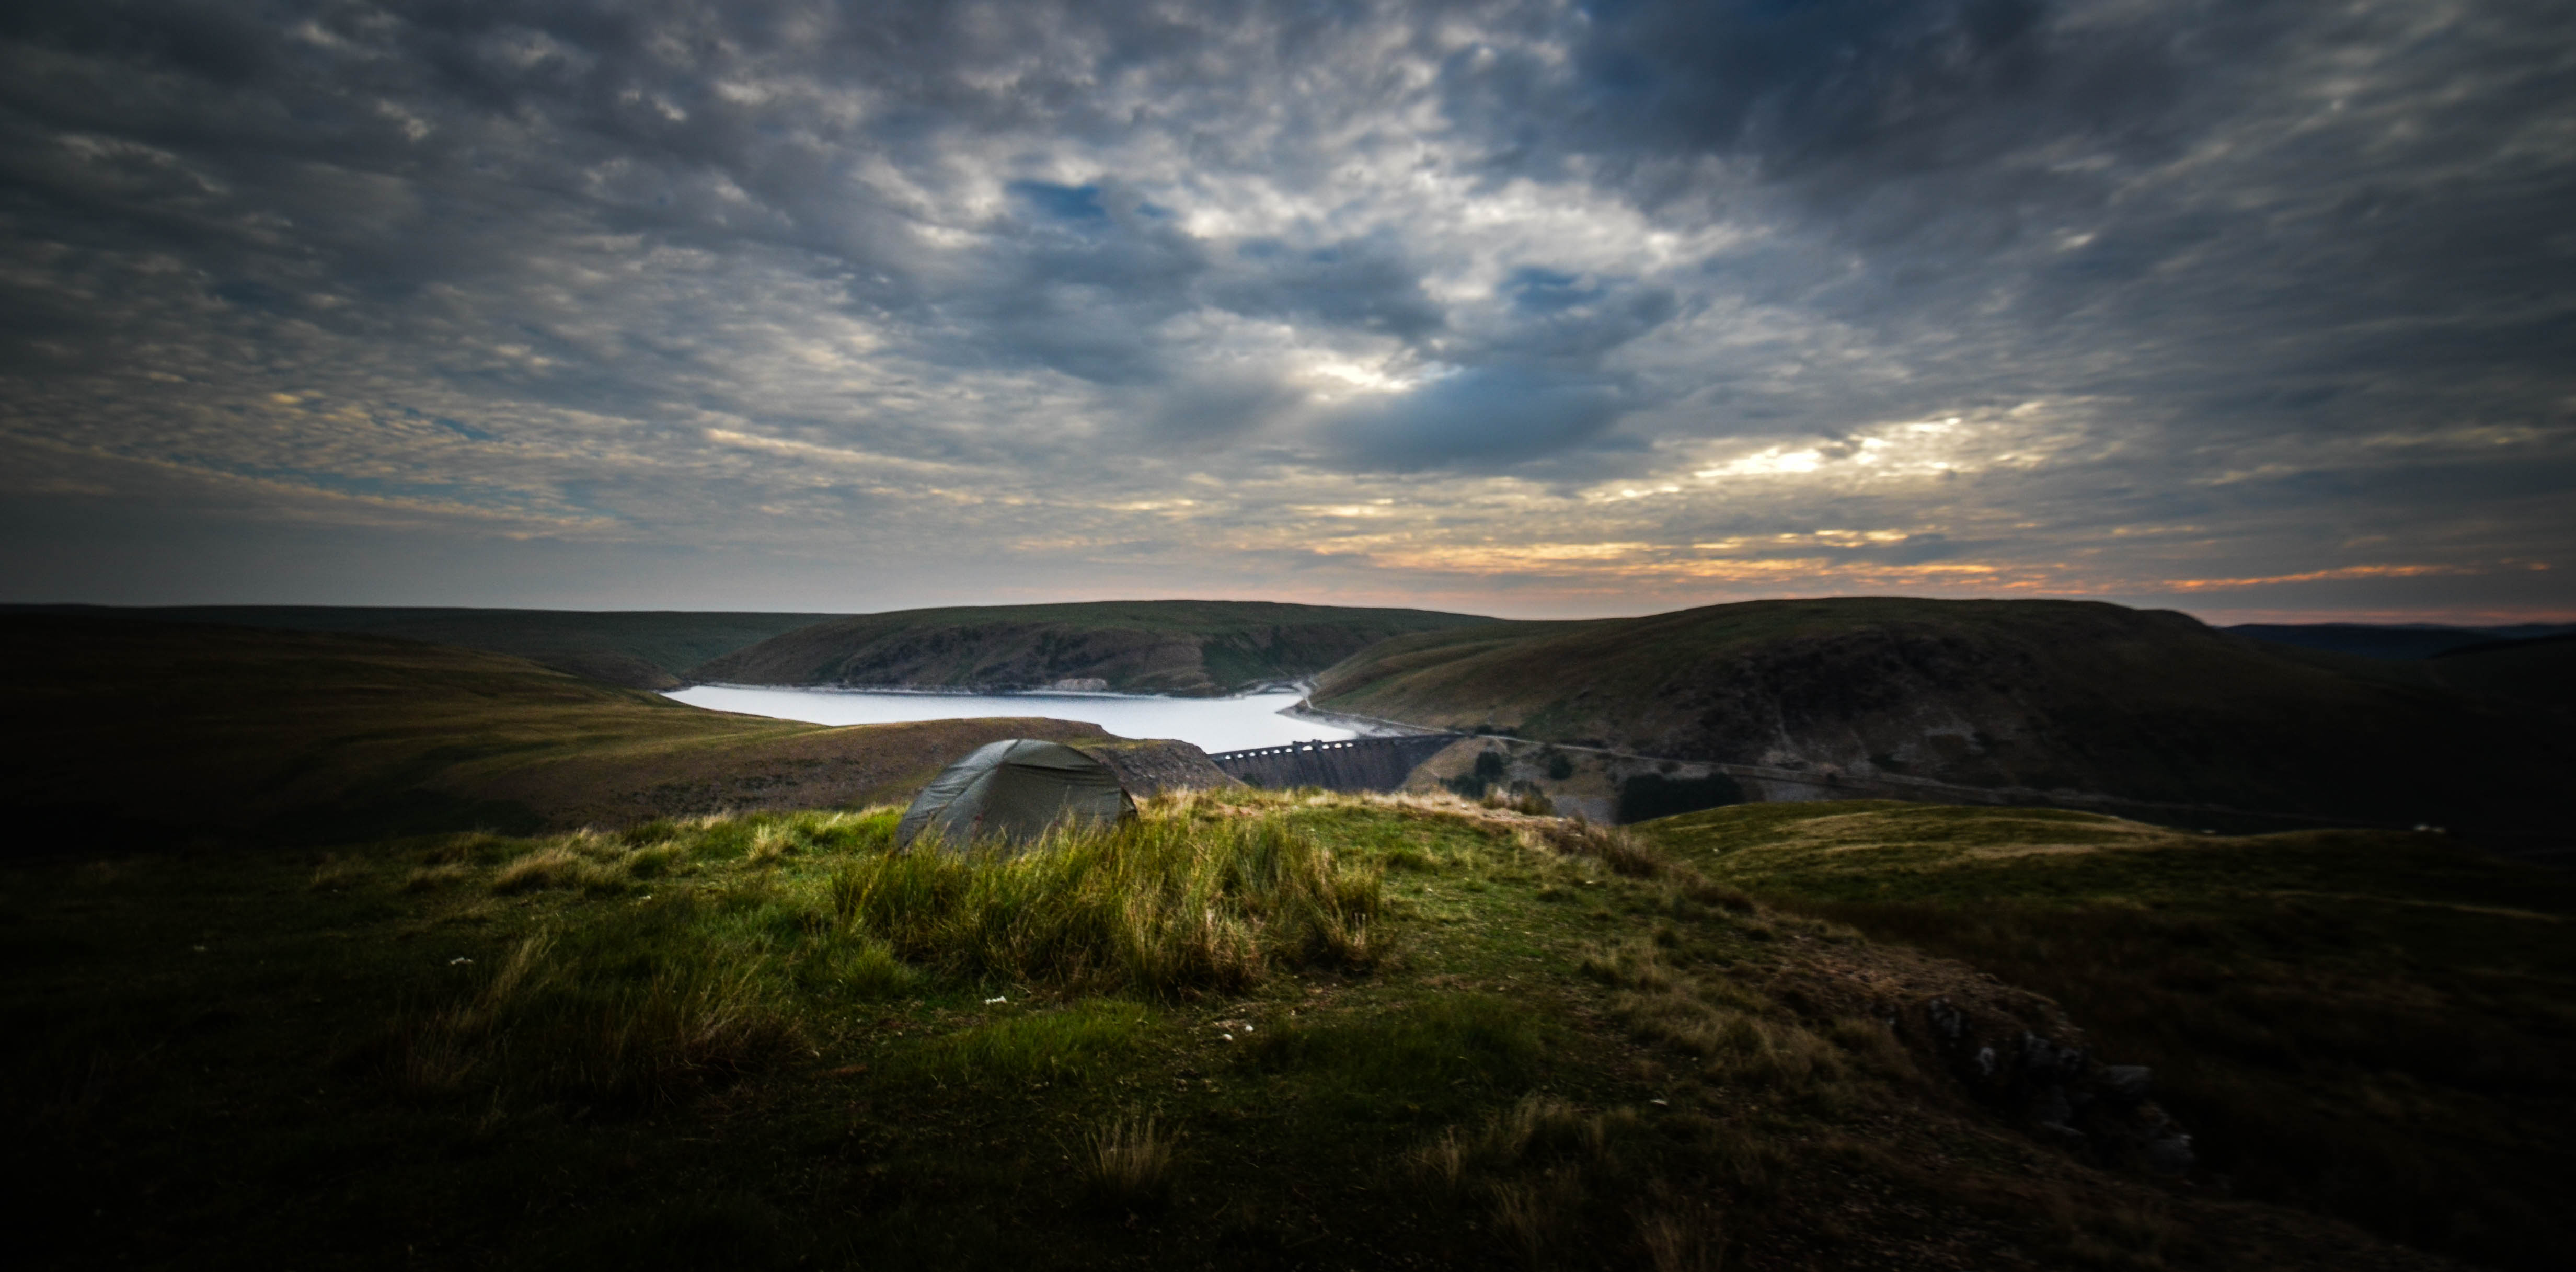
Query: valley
column 354, row 948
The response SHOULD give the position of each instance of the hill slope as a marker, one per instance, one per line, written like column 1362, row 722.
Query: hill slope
column 2370, row 1024
column 2399, row 642
column 1196, row 648
column 138, row 730
column 641, row 649
column 774, row 1042
column 2540, row 672
column 2149, row 705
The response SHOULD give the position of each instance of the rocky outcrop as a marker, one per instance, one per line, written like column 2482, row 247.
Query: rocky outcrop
column 1995, row 1045
column 2058, row 1090
column 1159, row 766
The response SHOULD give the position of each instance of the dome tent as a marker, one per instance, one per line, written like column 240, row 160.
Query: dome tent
column 1014, row 791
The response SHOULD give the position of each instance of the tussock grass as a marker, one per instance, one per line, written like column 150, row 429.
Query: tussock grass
column 691, row 988
column 433, row 878
column 1684, row 1238
column 1739, row 1038
column 1612, row 846
column 1550, row 1176
column 1169, row 904
column 588, row 1020
column 336, row 872
column 1126, row 1163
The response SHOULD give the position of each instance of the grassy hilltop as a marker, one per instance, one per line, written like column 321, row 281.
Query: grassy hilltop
column 1176, row 647
column 641, row 649
column 1261, row 1030
column 2148, row 705
column 126, row 728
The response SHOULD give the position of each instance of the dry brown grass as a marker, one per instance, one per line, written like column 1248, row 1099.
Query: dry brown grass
column 434, row 877
column 1127, row 1163
column 336, row 873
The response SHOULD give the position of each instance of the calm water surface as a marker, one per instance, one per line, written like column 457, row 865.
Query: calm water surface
column 1215, row 724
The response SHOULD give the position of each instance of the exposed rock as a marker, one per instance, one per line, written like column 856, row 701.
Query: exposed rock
column 2056, row 1087
column 1157, row 766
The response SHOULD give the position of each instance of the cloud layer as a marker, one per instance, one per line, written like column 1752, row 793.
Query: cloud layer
column 1519, row 307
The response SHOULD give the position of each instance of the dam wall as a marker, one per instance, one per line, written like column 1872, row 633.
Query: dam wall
column 1359, row 764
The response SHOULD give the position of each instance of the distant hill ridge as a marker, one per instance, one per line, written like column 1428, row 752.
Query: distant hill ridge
column 1191, row 648
column 2395, row 641
column 639, row 649
column 120, row 732
column 2149, row 705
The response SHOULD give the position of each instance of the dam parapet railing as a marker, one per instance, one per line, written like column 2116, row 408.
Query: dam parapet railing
column 1351, row 764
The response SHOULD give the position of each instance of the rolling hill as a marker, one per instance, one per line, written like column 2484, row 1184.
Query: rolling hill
column 1190, row 648
column 1265, row 1030
column 2082, row 696
column 641, row 649
column 2540, row 672
column 2401, row 641
column 123, row 730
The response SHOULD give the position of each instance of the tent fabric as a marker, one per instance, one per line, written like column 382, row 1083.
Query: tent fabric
column 1014, row 791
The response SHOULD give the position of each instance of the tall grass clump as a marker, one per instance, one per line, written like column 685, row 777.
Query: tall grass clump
column 633, row 1012
column 1613, row 846
column 1551, row 1178
column 1168, row 904
column 1127, row 1162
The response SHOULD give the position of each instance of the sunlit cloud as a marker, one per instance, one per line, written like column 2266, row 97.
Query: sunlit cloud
column 1524, row 307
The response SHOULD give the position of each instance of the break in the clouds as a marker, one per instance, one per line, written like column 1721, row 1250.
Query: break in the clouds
column 1524, row 307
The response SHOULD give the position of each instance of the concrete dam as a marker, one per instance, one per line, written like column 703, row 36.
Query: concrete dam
column 1359, row 764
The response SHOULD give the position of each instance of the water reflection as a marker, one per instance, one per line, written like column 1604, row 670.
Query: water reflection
column 1215, row 724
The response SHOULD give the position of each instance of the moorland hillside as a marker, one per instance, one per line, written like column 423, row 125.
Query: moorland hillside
column 1193, row 648
column 2540, row 671
column 2366, row 1024
column 640, row 649
column 124, row 729
column 2396, row 642
column 2049, row 695
column 1282, row 1030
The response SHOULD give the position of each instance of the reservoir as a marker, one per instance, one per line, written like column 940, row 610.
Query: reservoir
column 1214, row 724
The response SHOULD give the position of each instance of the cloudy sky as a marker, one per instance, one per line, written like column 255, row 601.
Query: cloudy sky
column 2257, row 310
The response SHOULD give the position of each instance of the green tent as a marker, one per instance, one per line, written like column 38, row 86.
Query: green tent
column 1013, row 791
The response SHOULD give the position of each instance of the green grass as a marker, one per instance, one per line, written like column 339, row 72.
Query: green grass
column 2377, row 1026
column 1199, row 900
column 769, row 1041
column 1081, row 1041
column 1418, row 1059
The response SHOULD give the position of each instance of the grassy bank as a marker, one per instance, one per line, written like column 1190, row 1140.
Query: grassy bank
column 2381, row 1027
column 1259, row 1029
